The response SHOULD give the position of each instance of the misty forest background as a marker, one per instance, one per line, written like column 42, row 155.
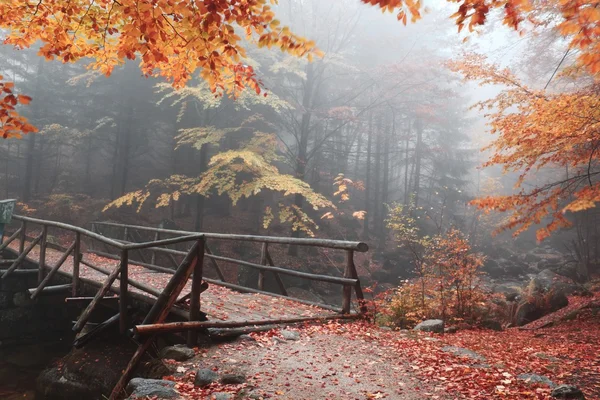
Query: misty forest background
column 380, row 107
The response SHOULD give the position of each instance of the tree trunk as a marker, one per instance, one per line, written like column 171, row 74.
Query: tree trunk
column 368, row 179
column 418, row 151
column 303, row 144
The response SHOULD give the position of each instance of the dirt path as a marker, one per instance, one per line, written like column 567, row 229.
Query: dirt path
column 318, row 365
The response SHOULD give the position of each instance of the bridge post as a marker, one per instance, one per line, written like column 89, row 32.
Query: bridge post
column 263, row 261
column 76, row 262
column 23, row 237
column 123, row 284
column 42, row 263
column 347, row 289
column 195, row 303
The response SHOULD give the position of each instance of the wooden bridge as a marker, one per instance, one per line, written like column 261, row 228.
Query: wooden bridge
column 176, row 274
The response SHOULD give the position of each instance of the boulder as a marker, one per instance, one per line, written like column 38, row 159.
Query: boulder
column 205, row 377
column 177, row 353
column 530, row 310
column 431, row 325
column 491, row 324
column 233, row 379
column 548, row 280
column 140, row 388
column 567, row 392
column 527, row 312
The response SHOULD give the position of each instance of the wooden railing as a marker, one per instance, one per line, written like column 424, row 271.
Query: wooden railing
column 349, row 279
column 164, row 301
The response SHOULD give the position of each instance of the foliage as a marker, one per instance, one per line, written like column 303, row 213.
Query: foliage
column 448, row 277
column 173, row 39
column 11, row 123
column 237, row 173
column 342, row 194
column 579, row 20
column 537, row 130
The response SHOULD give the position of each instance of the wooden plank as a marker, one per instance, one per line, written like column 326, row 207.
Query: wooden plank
column 68, row 227
column 159, row 313
column 171, row 327
column 101, row 327
column 347, row 289
column 358, row 289
column 334, row 244
column 42, row 260
column 305, row 275
column 139, row 285
column 192, row 339
column 23, row 236
column 50, row 289
column 277, row 277
column 21, row 257
column 263, row 261
column 53, row 271
column 11, row 239
column 124, row 301
column 214, row 263
column 76, row 260
column 85, row 315
column 153, row 258
column 85, row 299
column 173, row 288
column 119, row 388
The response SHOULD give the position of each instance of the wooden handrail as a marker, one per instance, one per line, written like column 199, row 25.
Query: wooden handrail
column 333, row 244
column 291, row 272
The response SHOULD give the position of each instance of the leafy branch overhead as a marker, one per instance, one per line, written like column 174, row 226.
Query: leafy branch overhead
column 237, row 173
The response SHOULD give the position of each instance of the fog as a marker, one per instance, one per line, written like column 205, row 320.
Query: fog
column 326, row 149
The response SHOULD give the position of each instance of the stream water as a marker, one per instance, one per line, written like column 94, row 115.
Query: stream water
column 20, row 365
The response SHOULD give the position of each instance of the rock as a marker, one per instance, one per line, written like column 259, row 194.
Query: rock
column 155, row 388
column 451, row 329
column 233, row 379
column 526, row 313
column 431, row 325
column 511, row 291
column 205, row 377
column 535, row 378
column 459, row 351
column 290, row 335
column 222, row 396
column 246, row 338
column 22, row 299
column 491, row 324
column 550, row 281
column 567, row 392
column 177, row 353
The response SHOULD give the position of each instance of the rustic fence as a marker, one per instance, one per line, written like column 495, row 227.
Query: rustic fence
column 163, row 302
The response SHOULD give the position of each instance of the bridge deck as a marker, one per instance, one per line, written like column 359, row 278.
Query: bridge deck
column 219, row 303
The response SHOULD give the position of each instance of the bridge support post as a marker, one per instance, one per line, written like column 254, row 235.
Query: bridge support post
column 123, row 285
column 347, row 289
column 42, row 263
column 76, row 262
column 192, row 339
column 23, row 237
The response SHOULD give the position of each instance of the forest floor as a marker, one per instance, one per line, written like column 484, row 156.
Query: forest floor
column 360, row 361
